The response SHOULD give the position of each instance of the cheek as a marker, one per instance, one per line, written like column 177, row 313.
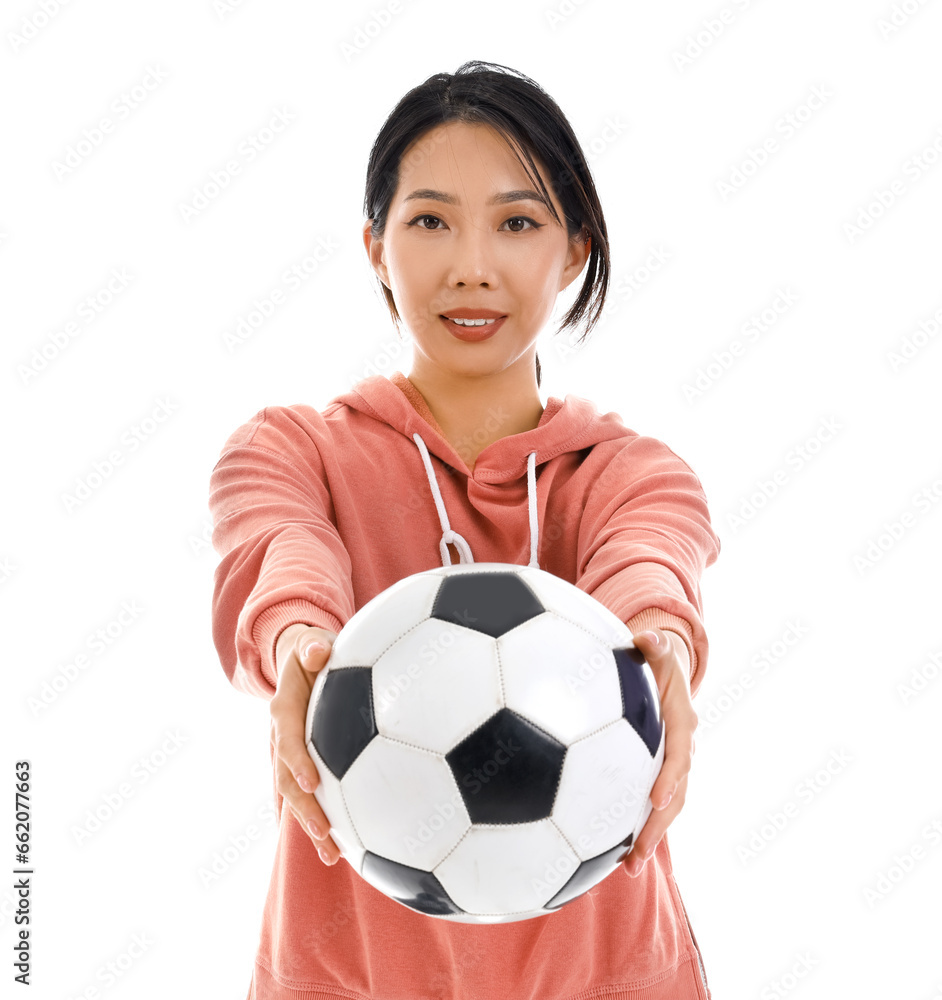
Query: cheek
column 538, row 281
column 409, row 271
column 540, row 266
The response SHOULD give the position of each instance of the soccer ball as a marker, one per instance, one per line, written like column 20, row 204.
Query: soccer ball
column 487, row 737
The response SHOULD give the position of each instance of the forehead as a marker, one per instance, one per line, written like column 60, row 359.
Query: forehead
column 457, row 154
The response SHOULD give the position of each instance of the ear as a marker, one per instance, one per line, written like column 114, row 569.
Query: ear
column 374, row 250
column 580, row 246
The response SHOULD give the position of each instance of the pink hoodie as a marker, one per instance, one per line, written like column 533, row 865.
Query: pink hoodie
column 314, row 514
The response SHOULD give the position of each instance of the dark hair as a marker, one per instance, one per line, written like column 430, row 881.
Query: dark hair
column 520, row 110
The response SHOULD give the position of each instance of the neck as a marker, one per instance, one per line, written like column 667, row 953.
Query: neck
column 475, row 411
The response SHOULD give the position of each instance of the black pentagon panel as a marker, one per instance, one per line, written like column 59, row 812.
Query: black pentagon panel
column 492, row 603
column 343, row 722
column 417, row 889
column 589, row 874
column 507, row 770
column 639, row 705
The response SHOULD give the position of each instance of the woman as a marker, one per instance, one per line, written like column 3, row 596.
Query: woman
column 480, row 210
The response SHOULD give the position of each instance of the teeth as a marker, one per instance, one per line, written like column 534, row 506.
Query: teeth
column 472, row 322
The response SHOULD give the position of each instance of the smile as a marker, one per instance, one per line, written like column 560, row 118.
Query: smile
column 471, row 330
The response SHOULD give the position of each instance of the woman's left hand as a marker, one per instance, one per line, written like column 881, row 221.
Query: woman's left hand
column 670, row 663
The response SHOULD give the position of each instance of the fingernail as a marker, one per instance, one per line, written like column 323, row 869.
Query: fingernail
column 652, row 636
column 312, row 647
column 325, row 857
column 315, row 829
column 665, row 802
column 304, row 782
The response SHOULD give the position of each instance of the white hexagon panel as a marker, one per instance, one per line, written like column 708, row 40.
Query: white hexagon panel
column 570, row 693
column 404, row 803
column 500, row 870
column 604, row 789
column 422, row 676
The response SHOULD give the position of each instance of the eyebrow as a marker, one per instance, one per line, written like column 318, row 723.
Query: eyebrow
column 499, row 199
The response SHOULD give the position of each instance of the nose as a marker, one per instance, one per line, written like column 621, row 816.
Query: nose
column 473, row 261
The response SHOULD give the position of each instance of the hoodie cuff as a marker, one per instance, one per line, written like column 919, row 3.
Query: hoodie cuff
column 274, row 620
column 656, row 618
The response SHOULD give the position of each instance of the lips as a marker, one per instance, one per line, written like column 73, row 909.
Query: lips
column 473, row 333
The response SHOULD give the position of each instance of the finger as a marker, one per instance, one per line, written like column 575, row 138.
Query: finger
column 653, row 830
column 668, row 663
column 307, row 811
column 678, row 758
column 293, row 693
column 327, row 850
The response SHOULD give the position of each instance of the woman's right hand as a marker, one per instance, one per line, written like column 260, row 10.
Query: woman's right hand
column 296, row 775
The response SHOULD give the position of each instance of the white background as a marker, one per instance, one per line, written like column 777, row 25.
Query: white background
column 846, row 890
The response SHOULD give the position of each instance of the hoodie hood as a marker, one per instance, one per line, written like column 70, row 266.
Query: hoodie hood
column 570, row 424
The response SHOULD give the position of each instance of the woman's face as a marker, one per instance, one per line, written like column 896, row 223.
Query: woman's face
column 462, row 234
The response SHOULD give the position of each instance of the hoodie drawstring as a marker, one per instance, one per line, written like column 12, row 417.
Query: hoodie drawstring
column 451, row 536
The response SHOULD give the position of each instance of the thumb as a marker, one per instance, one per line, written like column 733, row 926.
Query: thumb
column 314, row 647
column 651, row 643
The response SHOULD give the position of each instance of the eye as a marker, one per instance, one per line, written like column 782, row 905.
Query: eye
column 420, row 217
column 523, row 218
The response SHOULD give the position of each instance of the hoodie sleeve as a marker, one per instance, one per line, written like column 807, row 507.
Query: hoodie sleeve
column 644, row 541
column 282, row 559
